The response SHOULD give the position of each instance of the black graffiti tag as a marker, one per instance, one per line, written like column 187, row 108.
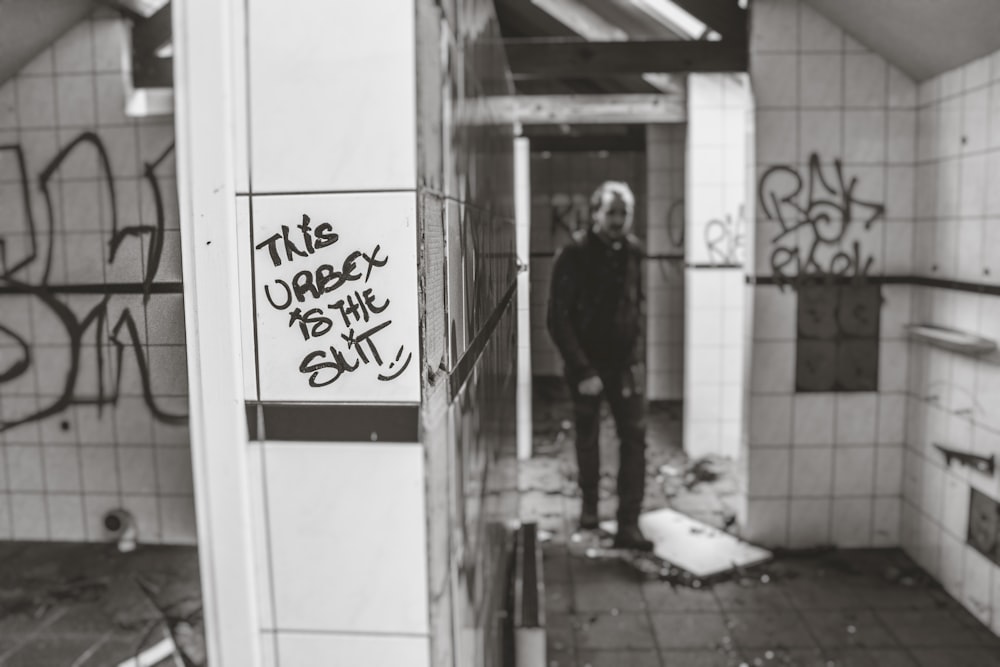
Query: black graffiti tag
column 90, row 335
column 815, row 218
column 358, row 315
column 724, row 239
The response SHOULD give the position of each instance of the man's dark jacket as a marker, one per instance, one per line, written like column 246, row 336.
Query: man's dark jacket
column 596, row 313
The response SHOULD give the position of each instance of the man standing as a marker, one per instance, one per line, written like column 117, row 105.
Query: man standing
column 596, row 319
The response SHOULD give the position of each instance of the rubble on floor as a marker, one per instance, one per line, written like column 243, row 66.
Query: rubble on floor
column 88, row 605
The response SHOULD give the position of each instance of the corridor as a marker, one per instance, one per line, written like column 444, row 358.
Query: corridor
column 806, row 608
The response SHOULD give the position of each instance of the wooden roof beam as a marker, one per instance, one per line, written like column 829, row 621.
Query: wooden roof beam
column 554, row 58
column 588, row 109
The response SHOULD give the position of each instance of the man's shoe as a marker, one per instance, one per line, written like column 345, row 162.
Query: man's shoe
column 630, row 537
column 589, row 520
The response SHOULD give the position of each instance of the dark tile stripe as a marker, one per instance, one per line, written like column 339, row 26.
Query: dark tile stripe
column 920, row 281
column 94, row 288
column 318, row 422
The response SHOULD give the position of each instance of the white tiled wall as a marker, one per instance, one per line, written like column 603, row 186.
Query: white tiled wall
column 665, row 266
column 317, row 87
column 59, row 474
column 716, row 231
column 951, row 397
column 341, row 549
column 827, row 468
column 316, row 500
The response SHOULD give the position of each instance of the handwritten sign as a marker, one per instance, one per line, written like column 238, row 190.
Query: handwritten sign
column 336, row 298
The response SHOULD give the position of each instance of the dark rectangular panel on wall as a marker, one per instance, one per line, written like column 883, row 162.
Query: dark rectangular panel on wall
column 838, row 338
column 984, row 525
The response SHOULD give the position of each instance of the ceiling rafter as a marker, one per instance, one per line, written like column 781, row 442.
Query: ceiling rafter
column 724, row 16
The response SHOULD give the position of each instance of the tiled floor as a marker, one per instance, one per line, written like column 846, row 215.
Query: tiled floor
column 80, row 605
column 838, row 608
column 872, row 608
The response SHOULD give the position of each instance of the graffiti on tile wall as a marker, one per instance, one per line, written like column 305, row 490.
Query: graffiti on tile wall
column 569, row 213
column 819, row 252
column 725, row 239
column 818, row 217
column 328, row 294
column 99, row 336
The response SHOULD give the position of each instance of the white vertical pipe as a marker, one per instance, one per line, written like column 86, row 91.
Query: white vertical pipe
column 522, row 216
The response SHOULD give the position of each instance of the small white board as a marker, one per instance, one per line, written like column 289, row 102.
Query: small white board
column 693, row 546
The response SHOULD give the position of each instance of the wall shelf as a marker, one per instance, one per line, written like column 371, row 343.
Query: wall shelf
column 951, row 339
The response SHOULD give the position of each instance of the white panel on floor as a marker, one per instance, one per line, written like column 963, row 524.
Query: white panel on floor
column 694, row 546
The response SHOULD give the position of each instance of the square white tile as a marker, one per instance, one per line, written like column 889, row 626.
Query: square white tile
column 374, row 495
column 29, row 516
column 62, row 468
column 776, row 141
column 902, row 137
column 892, row 419
column 179, row 524
column 356, row 339
column 814, row 419
column 320, row 120
column 856, row 418
column 767, row 522
column 899, row 194
column 886, row 522
column 812, row 472
column 893, row 357
column 768, row 472
column 66, row 517
column 776, row 26
column 75, row 95
column 99, row 470
column 865, row 77
column 820, row 132
column 322, row 650
column 773, row 367
column 809, row 522
column 820, row 81
column 770, row 420
column 775, row 82
column 852, row 522
column 36, row 102
column 854, row 471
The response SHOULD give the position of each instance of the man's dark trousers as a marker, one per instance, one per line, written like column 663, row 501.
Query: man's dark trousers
column 629, row 413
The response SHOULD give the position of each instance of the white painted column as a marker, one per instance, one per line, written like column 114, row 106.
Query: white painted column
column 716, row 214
column 522, row 214
column 205, row 105
column 298, row 144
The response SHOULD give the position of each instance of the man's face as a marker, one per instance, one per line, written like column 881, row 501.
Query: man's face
column 613, row 221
